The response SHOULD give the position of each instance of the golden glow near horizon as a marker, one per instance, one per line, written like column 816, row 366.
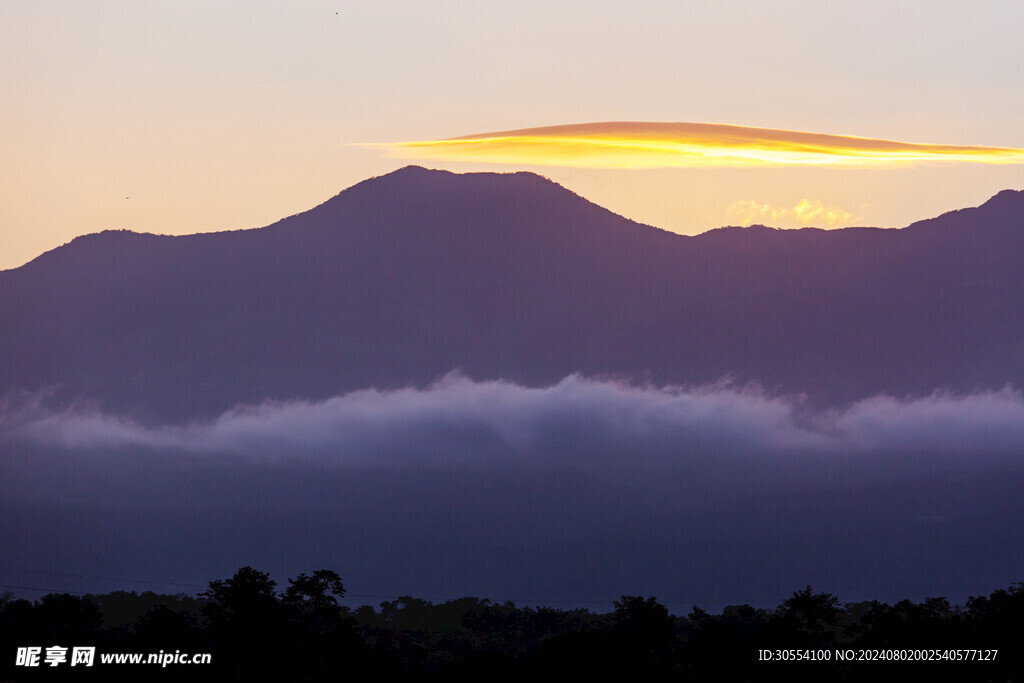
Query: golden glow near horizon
column 806, row 212
column 663, row 145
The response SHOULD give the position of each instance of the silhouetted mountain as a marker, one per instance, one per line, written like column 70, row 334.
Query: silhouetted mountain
column 402, row 278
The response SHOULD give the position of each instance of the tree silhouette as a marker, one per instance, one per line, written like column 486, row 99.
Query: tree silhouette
column 317, row 594
column 246, row 619
column 812, row 614
column 244, row 598
column 646, row 631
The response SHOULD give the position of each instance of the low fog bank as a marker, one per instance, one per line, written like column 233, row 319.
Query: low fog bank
column 580, row 492
column 579, row 421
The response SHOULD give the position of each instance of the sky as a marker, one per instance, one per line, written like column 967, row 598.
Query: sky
column 195, row 116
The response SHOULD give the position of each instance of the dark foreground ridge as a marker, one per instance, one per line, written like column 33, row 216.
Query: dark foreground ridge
column 403, row 278
column 252, row 630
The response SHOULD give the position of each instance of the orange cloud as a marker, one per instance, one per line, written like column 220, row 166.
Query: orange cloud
column 660, row 145
column 807, row 212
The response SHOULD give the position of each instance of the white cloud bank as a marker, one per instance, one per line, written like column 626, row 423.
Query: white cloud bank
column 578, row 420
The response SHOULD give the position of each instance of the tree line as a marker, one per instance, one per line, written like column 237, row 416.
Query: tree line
column 254, row 629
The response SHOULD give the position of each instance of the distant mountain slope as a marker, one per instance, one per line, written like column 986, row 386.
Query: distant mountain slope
column 405, row 277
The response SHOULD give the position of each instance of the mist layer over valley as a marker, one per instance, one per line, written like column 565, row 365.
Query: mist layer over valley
column 579, row 491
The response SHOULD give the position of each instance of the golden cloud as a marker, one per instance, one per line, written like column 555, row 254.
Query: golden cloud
column 661, row 145
column 807, row 212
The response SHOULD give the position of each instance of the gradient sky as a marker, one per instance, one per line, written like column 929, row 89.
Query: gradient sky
column 197, row 116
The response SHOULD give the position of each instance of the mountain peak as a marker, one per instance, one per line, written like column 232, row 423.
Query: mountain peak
column 1002, row 213
column 412, row 170
column 480, row 201
column 1006, row 198
column 418, row 182
column 414, row 173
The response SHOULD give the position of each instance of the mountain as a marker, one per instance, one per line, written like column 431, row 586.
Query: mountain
column 403, row 278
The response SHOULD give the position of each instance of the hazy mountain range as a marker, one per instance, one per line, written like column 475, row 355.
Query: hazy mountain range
column 405, row 277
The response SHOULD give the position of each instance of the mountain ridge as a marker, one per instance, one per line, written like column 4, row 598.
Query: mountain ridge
column 1007, row 199
column 402, row 278
column 1001, row 199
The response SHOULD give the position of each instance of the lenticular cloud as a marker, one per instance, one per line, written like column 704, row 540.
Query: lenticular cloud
column 646, row 144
